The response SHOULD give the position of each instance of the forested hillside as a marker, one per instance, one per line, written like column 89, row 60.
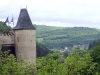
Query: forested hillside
column 3, row 27
column 94, row 43
column 59, row 37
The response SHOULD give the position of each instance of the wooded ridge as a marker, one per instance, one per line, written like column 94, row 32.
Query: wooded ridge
column 59, row 37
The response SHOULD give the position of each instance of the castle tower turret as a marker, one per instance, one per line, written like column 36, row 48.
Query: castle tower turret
column 25, row 37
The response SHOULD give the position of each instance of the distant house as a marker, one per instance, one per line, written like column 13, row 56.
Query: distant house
column 66, row 48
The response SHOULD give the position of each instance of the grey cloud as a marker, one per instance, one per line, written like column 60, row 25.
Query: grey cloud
column 63, row 11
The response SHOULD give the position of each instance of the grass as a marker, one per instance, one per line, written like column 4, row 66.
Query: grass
column 39, row 40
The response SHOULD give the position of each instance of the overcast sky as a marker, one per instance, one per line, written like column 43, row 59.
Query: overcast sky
column 65, row 13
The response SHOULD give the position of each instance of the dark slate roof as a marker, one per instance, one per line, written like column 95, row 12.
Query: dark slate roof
column 24, row 21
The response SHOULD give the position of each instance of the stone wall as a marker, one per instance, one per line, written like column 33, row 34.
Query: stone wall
column 6, row 38
column 25, row 44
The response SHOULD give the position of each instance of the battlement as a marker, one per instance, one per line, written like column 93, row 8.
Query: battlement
column 10, row 33
column 7, row 38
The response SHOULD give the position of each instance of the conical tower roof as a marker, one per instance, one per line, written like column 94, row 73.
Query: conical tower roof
column 24, row 21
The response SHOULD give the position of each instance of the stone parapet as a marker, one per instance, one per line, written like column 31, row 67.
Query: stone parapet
column 6, row 38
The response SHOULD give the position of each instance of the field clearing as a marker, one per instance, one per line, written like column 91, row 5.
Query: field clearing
column 39, row 40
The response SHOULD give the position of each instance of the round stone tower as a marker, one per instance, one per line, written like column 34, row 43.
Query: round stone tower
column 25, row 37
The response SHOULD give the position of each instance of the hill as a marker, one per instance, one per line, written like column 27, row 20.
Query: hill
column 3, row 27
column 59, row 37
column 94, row 43
column 41, row 50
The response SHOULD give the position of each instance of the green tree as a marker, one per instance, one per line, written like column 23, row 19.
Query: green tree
column 95, row 54
column 49, row 65
column 65, row 54
column 77, row 65
column 4, row 28
column 74, row 64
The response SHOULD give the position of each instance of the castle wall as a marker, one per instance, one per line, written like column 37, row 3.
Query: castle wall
column 25, row 44
column 6, row 38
